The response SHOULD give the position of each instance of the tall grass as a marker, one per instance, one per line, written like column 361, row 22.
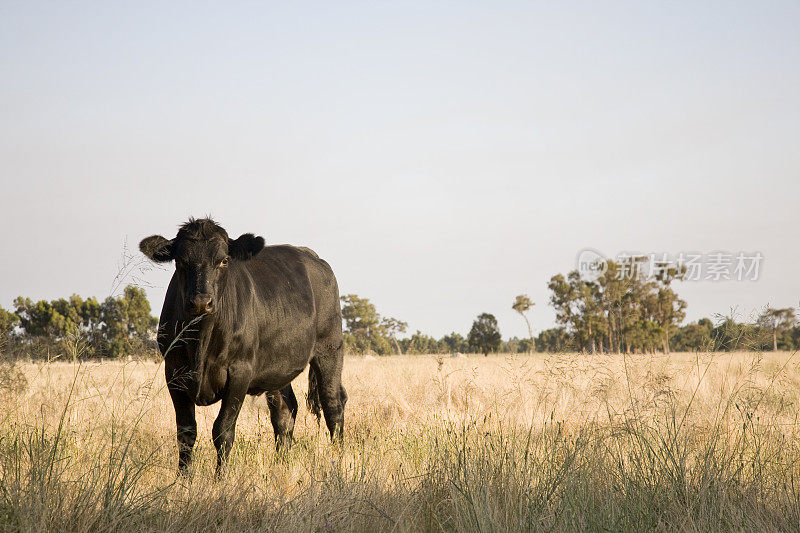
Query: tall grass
column 505, row 443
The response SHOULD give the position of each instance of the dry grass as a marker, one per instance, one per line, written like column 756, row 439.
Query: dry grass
column 682, row 442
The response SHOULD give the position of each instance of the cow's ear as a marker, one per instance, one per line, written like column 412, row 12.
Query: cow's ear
column 157, row 248
column 245, row 246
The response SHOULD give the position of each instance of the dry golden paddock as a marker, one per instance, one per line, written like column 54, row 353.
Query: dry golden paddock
column 541, row 442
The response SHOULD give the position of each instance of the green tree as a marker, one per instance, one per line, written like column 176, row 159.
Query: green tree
column 359, row 314
column 56, row 319
column 36, row 318
column 729, row 335
column 394, row 327
column 777, row 321
column 126, row 318
column 8, row 321
column 622, row 309
column 522, row 304
column 90, row 313
column 66, row 319
column 669, row 310
column 484, row 337
column 636, row 328
column 593, row 320
column 454, row 343
column 579, row 306
column 79, row 326
column 793, row 338
column 553, row 340
column 695, row 337
column 419, row 343
column 365, row 331
column 517, row 345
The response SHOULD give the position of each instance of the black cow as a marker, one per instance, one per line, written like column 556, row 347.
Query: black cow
column 240, row 318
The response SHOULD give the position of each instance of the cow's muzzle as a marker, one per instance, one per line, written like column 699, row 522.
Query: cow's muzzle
column 201, row 305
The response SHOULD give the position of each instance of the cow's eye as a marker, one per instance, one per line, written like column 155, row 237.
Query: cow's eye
column 224, row 262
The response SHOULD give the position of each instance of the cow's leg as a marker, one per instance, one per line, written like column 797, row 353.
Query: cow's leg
column 327, row 366
column 282, row 412
column 224, row 429
column 184, row 415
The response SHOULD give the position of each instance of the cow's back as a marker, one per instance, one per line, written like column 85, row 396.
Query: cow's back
column 298, row 304
column 326, row 295
column 298, row 281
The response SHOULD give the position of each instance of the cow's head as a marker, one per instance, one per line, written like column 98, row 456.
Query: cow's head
column 202, row 253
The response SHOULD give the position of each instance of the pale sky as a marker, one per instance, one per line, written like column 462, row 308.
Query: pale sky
column 442, row 156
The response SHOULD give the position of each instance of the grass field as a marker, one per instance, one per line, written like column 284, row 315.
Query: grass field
column 543, row 442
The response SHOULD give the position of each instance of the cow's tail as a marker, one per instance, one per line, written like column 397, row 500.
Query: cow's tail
column 312, row 399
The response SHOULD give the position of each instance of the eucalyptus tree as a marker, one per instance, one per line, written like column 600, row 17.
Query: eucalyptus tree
column 522, row 304
column 777, row 320
column 484, row 336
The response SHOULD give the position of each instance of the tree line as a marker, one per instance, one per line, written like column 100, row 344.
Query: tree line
column 366, row 332
column 626, row 309
column 612, row 313
column 622, row 309
column 79, row 328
